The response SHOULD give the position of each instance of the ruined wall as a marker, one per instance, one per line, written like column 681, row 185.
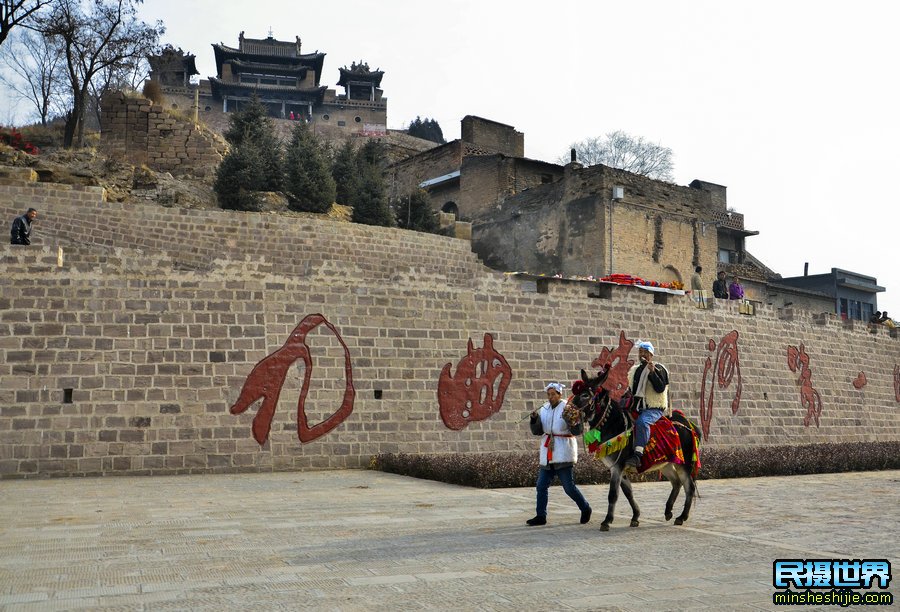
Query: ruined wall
column 663, row 221
column 146, row 133
column 487, row 180
column 493, row 136
column 671, row 241
column 126, row 355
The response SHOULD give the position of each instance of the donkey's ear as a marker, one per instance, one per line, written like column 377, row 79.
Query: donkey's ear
column 584, row 375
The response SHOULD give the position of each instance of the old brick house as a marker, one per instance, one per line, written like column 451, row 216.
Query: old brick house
column 535, row 216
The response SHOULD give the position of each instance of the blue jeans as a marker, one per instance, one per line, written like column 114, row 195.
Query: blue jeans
column 646, row 418
column 566, row 478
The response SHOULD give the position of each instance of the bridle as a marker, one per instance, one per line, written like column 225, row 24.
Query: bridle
column 593, row 407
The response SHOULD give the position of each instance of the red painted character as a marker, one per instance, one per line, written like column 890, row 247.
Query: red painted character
column 860, row 381
column 798, row 361
column 469, row 395
column 727, row 366
column 618, row 364
column 267, row 379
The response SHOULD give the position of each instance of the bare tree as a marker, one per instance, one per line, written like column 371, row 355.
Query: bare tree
column 621, row 150
column 17, row 12
column 107, row 34
column 36, row 66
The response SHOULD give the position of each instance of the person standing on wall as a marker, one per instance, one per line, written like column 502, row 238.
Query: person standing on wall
column 20, row 232
column 697, row 280
column 698, row 293
column 559, row 452
column 720, row 287
column 735, row 289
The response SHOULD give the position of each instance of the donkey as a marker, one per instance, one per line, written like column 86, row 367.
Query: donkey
column 614, row 423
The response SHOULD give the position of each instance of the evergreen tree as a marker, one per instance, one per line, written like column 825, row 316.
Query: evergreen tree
column 308, row 182
column 429, row 129
column 414, row 212
column 239, row 179
column 346, row 174
column 251, row 126
column 370, row 206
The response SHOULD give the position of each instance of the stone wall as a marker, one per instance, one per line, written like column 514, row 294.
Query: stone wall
column 124, row 355
column 194, row 239
column 146, row 133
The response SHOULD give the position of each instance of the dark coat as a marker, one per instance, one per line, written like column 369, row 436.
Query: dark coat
column 720, row 289
column 20, row 233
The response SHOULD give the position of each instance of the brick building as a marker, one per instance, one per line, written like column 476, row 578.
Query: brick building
column 545, row 218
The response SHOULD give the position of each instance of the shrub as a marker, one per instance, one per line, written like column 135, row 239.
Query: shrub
column 239, row 178
column 48, row 136
column 153, row 92
column 251, row 127
column 414, row 212
column 14, row 138
column 370, row 205
column 429, row 129
column 496, row 470
column 345, row 173
column 309, row 184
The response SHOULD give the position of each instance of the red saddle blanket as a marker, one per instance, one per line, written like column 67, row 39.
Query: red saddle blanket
column 665, row 446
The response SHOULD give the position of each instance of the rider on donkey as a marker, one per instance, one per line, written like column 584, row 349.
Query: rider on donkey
column 650, row 399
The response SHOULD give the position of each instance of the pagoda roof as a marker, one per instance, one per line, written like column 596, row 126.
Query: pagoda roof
column 190, row 65
column 225, row 54
column 360, row 73
column 221, row 89
column 188, row 60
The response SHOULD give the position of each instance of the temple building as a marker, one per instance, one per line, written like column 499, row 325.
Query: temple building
column 286, row 80
column 172, row 67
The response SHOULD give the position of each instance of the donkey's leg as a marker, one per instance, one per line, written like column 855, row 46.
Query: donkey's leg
column 629, row 495
column 690, row 488
column 672, row 476
column 615, row 479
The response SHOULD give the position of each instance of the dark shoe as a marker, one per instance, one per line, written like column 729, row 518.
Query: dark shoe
column 633, row 462
column 586, row 515
column 538, row 520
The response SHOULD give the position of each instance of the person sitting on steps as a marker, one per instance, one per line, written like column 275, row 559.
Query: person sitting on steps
column 650, row 399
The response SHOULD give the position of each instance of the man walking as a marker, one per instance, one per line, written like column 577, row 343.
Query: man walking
column 20, row 233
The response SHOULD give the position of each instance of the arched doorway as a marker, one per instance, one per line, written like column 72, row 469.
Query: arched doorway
column 452, row 208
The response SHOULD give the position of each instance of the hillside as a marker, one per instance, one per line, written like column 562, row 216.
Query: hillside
column 137, row 183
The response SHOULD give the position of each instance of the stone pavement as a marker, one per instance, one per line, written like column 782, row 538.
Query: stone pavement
column 361, row 540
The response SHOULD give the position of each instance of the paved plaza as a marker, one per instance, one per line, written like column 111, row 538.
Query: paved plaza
column 364, row 540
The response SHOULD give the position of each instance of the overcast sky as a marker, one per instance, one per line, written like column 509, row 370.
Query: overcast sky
column 791, row 105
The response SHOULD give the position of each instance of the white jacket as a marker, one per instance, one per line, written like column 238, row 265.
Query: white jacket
column 565, row 445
